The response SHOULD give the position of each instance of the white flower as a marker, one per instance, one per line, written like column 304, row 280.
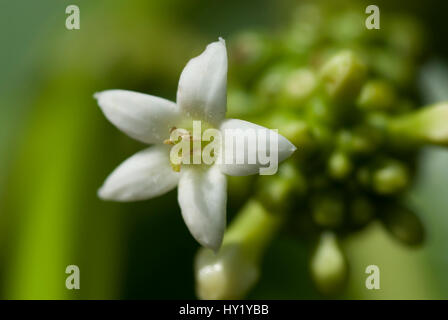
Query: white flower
column 201, row 96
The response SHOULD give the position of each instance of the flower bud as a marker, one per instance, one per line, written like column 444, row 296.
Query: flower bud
column 328, row 265
column 376, row 95
column 343, row 75
column 391, row 177
column 320, row 110
column 339, row 165
column 292, row 128
column 298, row 86
column 230, row 273
column 226, row 275
column 404, row 225
column 426, row 125
column 328, row 210
column 277, row 192
column 360, row 140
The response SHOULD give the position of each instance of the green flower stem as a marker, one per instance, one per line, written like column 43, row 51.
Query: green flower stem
column 231, row 272
column 253, row 229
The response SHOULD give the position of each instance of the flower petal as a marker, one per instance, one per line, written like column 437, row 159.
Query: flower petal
column 202, row 91
column 145, row 175
column 246, row 161
column 202, row 198
column 141, row 116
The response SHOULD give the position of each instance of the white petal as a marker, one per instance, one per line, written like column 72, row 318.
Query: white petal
column 202, row 91
column 145, row 175
column 202, row 198
column 249, row 155
column 141, row 116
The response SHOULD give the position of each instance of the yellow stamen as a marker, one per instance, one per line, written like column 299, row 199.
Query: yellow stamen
column 176, row 167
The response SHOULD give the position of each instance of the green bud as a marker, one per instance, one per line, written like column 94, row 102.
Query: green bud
column 298, row 86
column 339, row 165
column 426, row 125
column 384, row 176
column 277, row 192
column 360, row 140
column 328, row 265
column 320, row 110
column 343, row 75
column 328, row 210
column 376, row 95
column 391, row 177
column 227, row 275
column 230, row 273
column 291, row 127
column 404, row 225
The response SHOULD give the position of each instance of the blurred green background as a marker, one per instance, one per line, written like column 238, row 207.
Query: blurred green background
column 56, row 148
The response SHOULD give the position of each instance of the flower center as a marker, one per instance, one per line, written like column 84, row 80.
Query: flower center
column 192, row 147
